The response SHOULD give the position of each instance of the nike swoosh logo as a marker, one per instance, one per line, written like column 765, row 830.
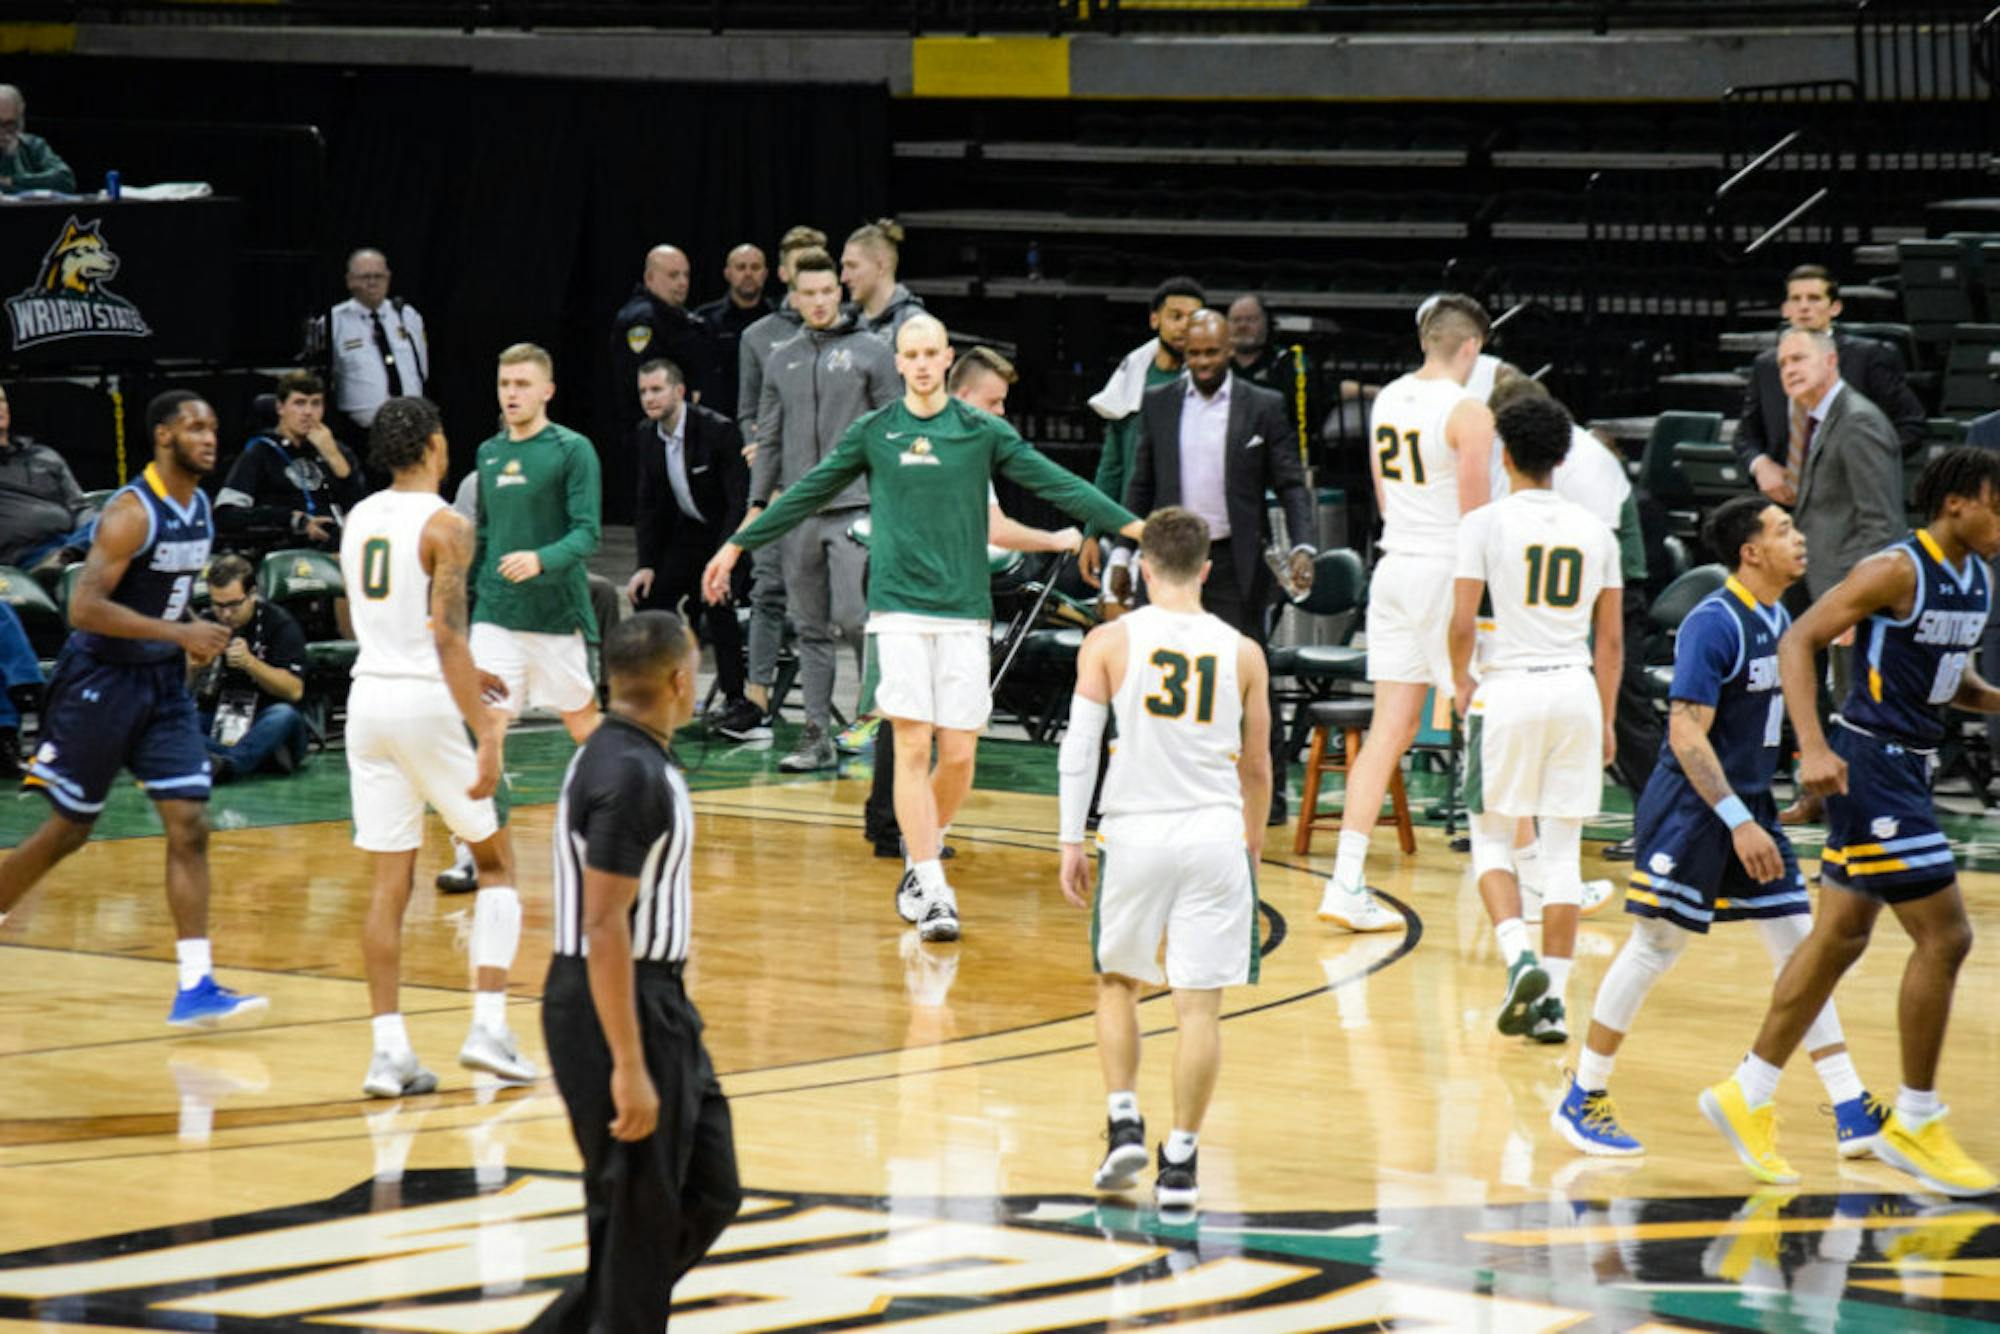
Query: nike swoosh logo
column 793, row 365
column 894, row 435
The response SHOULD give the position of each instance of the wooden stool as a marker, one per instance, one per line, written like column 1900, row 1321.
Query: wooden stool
column 1351, row 718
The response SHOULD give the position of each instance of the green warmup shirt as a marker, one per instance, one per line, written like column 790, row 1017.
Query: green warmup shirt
column 1121, row 441
column 541, row 495
column 927, row 480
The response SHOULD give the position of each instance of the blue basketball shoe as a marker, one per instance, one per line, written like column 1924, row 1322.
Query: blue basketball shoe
column 1857, row 1122
column 1590, row 1123
column 208, row 1003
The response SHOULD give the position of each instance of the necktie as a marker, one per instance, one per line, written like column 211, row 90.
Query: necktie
column 1801, row 441
column 388, row 354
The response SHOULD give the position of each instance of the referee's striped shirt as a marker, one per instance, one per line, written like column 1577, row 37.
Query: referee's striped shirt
column 624, row 810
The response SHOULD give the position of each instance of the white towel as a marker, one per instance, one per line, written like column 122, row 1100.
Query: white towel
column 1126, row 388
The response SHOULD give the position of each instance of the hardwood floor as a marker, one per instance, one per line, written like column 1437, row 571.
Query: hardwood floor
column 917, row 1124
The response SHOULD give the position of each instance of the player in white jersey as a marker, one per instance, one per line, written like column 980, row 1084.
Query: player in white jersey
column 1429, row 444
column 1538, row 739
column 1182, row 826
column 404, row 555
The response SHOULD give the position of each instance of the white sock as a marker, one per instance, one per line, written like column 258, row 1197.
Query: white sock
column 1917, row 1106
column 489, row 1009
column 930, row 875
column 1558, row 971
column 1513, row 937
column 194, row 961
column 1180, row 1145
column 3, row 919
column 1350, row 859
column 391, row 1038
column 1122, row 1106
column 1593, row 1071
column 1758, row 1079
column 461, row 854
column 1837, row 1072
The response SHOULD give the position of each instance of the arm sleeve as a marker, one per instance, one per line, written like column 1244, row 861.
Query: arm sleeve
column 1631, row 541
column 42, row 168
column 1749, row 443
column 583, row 494
column 1287, row 478
column 803, row 497
column 749, row 384
column 1875, row 476
column 614, row 833
column 288, row 645
column 735, row 478
column 1114, row 462
column 1889, row 389
column 767, row 469
column 646, row 508
column 1705, row 653
column 1021, row 462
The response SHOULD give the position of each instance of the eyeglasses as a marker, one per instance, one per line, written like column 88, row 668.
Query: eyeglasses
column 217, row 604
column 369, row 277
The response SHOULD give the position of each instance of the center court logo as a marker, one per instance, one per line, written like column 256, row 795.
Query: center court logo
column 69, row 297
column 436, row 1252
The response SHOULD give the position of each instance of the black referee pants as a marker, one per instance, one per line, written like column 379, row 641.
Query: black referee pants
column 653, row 1207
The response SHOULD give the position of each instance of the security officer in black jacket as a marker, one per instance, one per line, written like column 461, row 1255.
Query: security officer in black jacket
column 655, row 322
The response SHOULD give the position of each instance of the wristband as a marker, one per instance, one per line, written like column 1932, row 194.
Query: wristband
column 1732, row 812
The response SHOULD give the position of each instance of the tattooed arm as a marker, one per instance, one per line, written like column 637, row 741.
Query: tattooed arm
column 447, row 557
column 1687, row 732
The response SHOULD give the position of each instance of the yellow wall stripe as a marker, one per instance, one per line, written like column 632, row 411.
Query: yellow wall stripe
column 989, row 67
column 37, row 38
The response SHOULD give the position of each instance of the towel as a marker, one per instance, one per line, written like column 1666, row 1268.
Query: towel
column 1126, row 388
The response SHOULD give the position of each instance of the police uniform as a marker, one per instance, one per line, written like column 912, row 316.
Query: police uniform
column 1172, row 860
column 115, row 702
column 378, row 355
column 655, row 1206
column 1882, row 834
column 1686, row 870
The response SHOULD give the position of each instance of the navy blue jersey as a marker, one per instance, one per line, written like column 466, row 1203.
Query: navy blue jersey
column 1906, row 671
column 159, row 581
column 1726, row 657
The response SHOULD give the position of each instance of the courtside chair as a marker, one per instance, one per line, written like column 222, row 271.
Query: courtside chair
column 1339, row 586
column 305, row 582
column 1664, row 618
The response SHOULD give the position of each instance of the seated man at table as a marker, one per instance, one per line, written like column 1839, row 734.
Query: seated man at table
column 26, row 160
column 248, row 696
column 42, row 509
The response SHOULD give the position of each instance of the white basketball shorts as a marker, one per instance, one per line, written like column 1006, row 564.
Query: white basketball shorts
column 541, row 671
column 934, row 675
column 406, row 745
column 1535, row 744
column 1409, row 616
column 1183, row 876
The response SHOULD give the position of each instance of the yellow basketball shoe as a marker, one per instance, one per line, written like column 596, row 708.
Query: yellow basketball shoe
column 1931, row 1154
column 1752, row 1132
column 1749, row 1251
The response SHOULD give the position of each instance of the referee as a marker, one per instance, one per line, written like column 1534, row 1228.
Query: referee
column 659, row 1158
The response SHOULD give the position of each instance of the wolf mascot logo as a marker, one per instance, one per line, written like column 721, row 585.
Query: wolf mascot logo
column 69, row 299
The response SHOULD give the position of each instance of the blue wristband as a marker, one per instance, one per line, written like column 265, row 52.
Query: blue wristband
column 1732, row 812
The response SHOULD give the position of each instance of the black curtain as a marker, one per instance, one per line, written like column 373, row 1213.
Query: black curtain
column 511, row 208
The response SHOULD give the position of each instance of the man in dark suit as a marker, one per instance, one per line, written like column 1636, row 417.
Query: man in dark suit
column 1846, row 471
column 1214, row 443
column 692, row 488
column 1812, row 301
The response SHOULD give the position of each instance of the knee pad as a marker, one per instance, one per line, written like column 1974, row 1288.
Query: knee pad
column 1492, row 844
column 1782, row 936
column 1655, row 944
column 496, row 927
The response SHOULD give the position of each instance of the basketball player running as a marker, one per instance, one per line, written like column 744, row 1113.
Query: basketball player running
column 1431, row 440
column 1537, row 739
column 119, row 696
column 929, row 459
column 650, row 1121
column 539, row 504
column 405, row 557
column 1184, row 806
column 1918, row 609
column 1710, row 848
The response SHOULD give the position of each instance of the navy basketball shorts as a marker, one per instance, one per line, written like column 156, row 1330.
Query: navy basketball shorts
column 99, row 717
column 1687, row 872
column 1882, row 836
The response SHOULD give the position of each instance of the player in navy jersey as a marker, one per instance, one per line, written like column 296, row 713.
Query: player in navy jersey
column 1917, row 609
column 1710, row 848
column 119, row 696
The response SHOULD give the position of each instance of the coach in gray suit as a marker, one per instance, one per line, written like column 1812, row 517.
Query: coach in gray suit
column 1850, row 479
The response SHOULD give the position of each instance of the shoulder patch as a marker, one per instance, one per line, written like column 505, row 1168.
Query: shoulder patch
column 638, row 338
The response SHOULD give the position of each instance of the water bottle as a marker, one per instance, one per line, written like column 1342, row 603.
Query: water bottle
column 112, row 188
column 1034, row 261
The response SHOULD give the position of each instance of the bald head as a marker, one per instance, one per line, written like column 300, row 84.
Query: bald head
column 13, row 117
column 746, row 273
column 1208, row 349
column 666, row 274
column 923, row 355
column 368, row 277
column 1249, row 326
